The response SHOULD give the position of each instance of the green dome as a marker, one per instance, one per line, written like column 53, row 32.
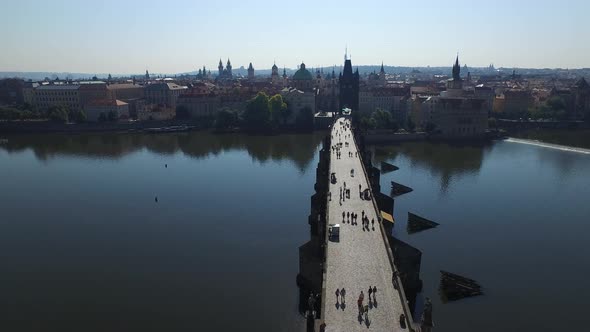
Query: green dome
column 302, row 74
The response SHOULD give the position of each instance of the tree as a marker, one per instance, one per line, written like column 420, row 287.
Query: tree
column 110, row 77
column 226, row 119
column 304, row 120
column 58, row 114
column 278, row 109
column 367, row 122
column 382, row 119
column 77, row 115
column 26, row 114
column 257, row 116
column 556, row 104
column 182, row 112
column 10, row 113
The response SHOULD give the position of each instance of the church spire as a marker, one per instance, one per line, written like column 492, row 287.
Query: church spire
column 382, row 69
column 456, row 70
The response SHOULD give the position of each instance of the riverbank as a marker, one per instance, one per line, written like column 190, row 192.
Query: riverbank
column 43, row 127
column 37, row 127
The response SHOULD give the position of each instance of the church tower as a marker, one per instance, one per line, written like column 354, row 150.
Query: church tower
column 250, row 72
column 349, row 87
column 456, row 70
column 382, row 80
column 274, row 76
column 220, row 67
column 456, row 83
column 228, row 67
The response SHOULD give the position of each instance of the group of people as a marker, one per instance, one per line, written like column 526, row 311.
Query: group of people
column 351, row 218
column 344, row 194
column 364, row 308
column 366, row 223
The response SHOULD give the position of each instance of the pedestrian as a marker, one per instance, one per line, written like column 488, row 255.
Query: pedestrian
column 370, row 292
column 373, row 223
column 343, row 216
column 343, row 295
column 360, row 302
column 374, row 293
column 337, row 294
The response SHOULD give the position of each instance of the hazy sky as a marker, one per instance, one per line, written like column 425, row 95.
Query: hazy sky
column 124, row 36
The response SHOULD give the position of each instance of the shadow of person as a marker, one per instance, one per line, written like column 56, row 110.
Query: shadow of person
column 343, row 306
column 360, row 317
column 370, row 303
column 375, row 302
column 367, row 321
column 337, row 305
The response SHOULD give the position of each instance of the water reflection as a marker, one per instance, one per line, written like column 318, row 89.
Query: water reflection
column 444, row 160
column 299, row 149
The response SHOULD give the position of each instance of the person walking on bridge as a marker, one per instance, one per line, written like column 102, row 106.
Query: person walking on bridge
column 360, row 302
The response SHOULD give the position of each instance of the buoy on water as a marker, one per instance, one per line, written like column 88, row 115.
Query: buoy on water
column 166, row 165
column 156, row 199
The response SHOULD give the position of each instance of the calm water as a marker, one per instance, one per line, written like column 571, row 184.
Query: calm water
column 513, row 217
column 84, row 246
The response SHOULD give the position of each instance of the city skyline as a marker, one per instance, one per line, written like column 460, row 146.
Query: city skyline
column 130, row 37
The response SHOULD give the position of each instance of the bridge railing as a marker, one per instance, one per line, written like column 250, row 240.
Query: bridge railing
column 404, row 302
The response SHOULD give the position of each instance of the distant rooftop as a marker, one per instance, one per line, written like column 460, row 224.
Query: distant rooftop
column 58, row 87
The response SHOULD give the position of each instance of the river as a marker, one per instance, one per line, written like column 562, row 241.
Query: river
column 85, row 246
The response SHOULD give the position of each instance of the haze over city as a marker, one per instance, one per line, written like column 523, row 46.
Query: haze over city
column 132, row 36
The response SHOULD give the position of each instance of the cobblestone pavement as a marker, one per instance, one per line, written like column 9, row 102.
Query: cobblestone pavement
column 359, row 259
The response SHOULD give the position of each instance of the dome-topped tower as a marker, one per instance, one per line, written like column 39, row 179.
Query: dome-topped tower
column 302, row 73
column 303, row 79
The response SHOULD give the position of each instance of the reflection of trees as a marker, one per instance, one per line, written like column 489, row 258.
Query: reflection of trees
column 47, row 146
column 441, row 159
column 298, row 148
